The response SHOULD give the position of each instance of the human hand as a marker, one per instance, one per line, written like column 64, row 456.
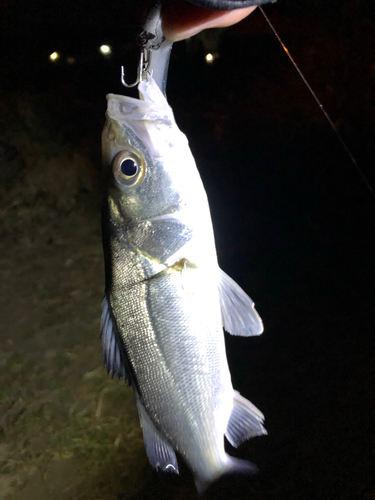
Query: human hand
column 182, row 20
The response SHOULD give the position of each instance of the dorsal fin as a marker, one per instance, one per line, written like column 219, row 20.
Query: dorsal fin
column 112, row 352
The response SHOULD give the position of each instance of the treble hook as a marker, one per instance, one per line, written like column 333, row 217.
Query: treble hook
column 143, row 71
column 152, row 41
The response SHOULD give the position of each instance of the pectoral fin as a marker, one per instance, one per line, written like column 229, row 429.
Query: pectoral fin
column 160, row 453
column 237, row 309
column 245, row 421
column 113, row 357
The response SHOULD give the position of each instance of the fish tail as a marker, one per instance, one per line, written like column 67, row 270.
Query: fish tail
column 239, row 466
column 201, row 484
column 231, row 466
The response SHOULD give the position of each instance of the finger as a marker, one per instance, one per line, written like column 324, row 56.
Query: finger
column 182, row 20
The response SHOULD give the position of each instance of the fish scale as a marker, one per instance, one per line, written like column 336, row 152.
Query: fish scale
column 159, row 309
column 166, row 299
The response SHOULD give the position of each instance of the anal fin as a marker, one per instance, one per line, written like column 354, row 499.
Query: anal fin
column 160, row 453
column 245, row 421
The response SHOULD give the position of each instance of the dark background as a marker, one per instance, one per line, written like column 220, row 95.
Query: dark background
column 294, row 226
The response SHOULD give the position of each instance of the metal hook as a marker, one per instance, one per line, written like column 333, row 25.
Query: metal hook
column 152, row 42
column 143, row 71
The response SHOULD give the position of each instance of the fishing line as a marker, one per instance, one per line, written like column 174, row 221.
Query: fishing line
column 338, row 135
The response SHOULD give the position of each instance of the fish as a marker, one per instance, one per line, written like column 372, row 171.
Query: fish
column 166, row 299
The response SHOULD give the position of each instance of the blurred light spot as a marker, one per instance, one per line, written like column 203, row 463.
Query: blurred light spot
column 209, row 58
column 105, row 49
column 70, row 60
column 54, row 56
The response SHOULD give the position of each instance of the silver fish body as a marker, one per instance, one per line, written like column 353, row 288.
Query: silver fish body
column 166, row 299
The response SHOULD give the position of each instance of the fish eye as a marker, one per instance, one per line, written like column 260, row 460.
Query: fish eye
column 128, row 167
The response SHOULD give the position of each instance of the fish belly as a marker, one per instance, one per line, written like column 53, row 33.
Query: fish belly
column 170, row 324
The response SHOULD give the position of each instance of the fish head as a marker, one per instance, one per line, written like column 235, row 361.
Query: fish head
column 153, row 188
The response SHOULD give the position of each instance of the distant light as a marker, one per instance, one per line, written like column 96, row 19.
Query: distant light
column 70, row 60
column 105, row 49
column 211, row 57
column 54, row 56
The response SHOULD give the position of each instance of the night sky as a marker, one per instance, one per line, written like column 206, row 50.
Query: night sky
column 293, row 219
